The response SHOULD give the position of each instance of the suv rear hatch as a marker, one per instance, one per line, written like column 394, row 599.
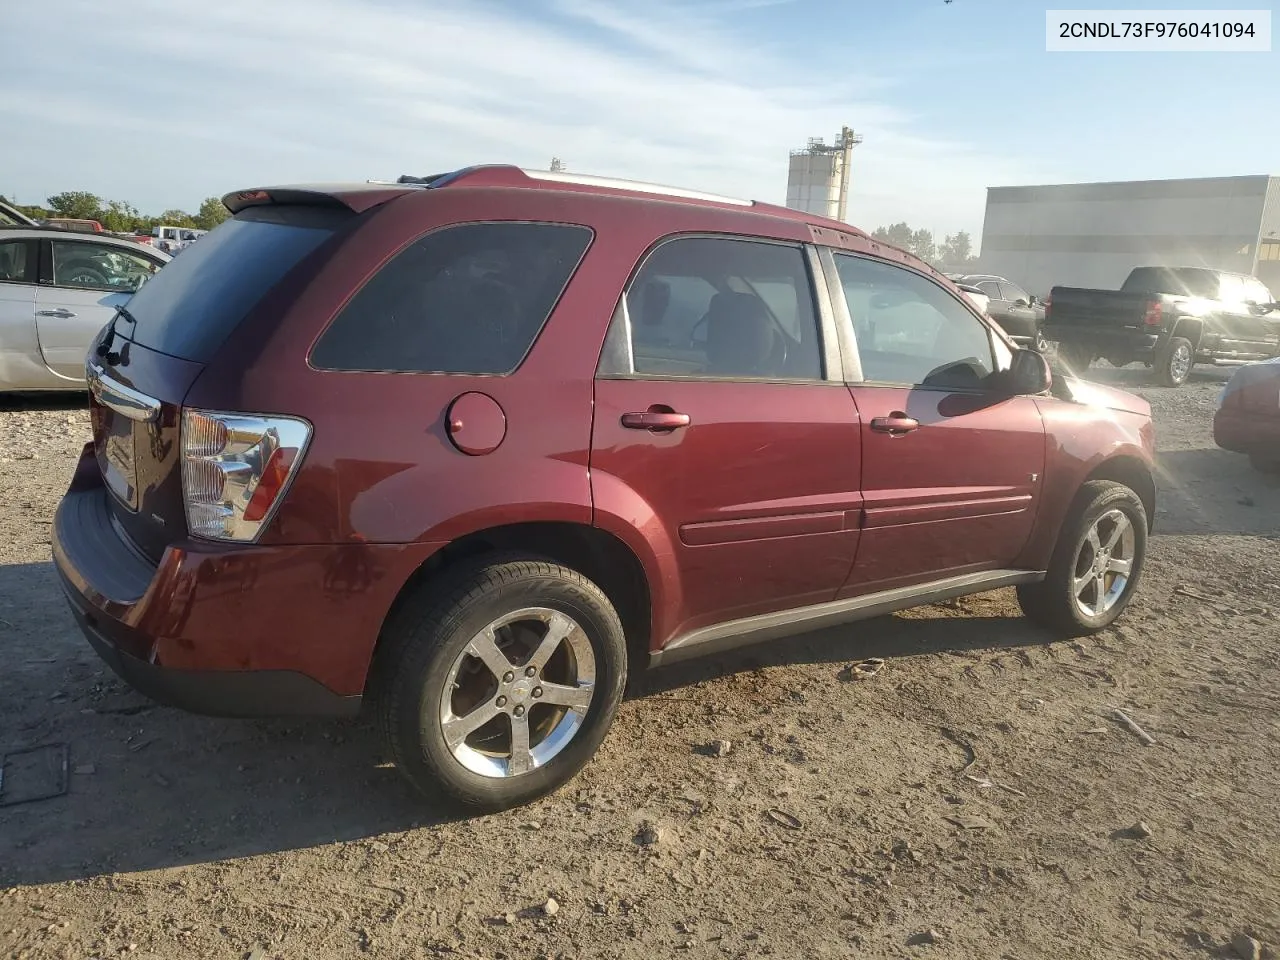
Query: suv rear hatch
column 142, row 365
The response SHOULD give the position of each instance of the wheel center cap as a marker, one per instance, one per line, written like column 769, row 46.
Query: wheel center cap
column 520, row 690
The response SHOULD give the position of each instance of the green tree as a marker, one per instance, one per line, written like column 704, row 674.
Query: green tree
column 898, row 235
column 77, row 204
column 120, row 217
column 211, row 213
column 175, row 218
column 956, row 253
column 922, row 245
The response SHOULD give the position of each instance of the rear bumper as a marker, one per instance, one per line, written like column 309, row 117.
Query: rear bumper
column 1106, row 340
column 244, row 630
column 219, row 693
column 1247, row 432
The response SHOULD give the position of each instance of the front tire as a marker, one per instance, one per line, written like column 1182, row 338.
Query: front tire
column 1174, row 364
column 498, row 686
column 1097, row 564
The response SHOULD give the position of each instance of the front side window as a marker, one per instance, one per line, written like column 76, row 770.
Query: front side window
column 911, row 331
column 720, row 308
column 1258, row 292
column 1013, row 293
column 467, row 299
column 97, row 266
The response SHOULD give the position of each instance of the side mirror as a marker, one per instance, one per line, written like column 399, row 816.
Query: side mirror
column 1030, row 373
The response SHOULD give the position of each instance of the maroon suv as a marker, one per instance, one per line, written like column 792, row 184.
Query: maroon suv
column 470, row 448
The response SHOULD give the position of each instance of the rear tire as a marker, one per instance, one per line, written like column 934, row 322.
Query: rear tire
column 1173, row 365
column 1096, row 565
column 455, row 719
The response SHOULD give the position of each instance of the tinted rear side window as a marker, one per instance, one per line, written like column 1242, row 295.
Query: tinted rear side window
column 1192, row 282
column 465, row 299
column 194, row 303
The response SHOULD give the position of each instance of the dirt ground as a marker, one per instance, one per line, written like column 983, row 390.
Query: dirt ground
column 975, row 793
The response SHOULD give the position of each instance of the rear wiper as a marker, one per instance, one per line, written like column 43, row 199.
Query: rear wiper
column 104, row 348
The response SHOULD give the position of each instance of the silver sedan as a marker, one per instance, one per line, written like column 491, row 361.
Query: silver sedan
column 57, row 290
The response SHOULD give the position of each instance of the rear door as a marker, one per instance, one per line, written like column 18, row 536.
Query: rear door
column 723, row 429
column 950, row 468
column 19, row 351
column 82, row 283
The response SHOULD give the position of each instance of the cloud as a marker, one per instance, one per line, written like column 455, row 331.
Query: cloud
column 171, row 102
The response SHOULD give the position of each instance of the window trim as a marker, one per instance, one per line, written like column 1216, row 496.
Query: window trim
column 849, row 341
column 393, row 255
column 999, row 294
column 619, row 346
column 31, row 268
column 1017, row 289
column 46, row 262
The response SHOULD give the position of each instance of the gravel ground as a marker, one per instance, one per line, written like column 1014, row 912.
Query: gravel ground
column 972, row 799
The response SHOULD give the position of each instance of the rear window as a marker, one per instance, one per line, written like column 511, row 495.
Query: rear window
column 195, row 302
column 1177, row 282
column 470, row 298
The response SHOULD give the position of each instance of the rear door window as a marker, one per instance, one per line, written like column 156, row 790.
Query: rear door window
column 85, row 265
column 467, row 299
column 192, row 305
column 17, row 261
column 722, row 308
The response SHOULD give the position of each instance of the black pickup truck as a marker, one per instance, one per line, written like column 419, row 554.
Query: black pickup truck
column 1167, row 317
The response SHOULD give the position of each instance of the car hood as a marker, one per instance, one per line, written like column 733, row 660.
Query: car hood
column 1109, row 398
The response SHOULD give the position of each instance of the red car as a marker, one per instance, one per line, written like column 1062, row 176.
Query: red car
column 1248, row 416
column 472, row 448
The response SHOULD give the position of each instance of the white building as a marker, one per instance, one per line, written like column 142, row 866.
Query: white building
column 818, row 176
column 1093, row 234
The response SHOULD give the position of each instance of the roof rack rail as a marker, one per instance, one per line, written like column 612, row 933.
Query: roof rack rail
column 524, row 174
column 636, row 186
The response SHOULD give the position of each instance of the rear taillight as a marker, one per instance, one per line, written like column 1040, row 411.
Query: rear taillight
column 1154, row 315
column 235, row 467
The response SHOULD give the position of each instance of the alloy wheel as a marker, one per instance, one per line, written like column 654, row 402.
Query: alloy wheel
column 1104, row 564
column 518, row 693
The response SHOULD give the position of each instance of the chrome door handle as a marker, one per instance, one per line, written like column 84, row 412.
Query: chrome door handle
column 61, row 313
column 896, row 424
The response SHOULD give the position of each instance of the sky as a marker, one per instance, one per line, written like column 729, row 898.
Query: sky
column 161, row 103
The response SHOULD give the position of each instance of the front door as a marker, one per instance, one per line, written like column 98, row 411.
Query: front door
column 720, row 437
column 82, row 283
column 951, row 467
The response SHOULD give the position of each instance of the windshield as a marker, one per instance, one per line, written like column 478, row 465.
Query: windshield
column 191, row 306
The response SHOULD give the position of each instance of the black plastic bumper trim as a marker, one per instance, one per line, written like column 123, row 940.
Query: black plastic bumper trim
column 220, row 693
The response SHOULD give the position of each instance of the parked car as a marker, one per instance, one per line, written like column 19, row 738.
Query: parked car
column 57, row 291
column 475, row 449
column 11, row 216
column 1170, row 318
column 1019, row 313
column 74, row 224
column 975, row 296
column 1247, row 419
